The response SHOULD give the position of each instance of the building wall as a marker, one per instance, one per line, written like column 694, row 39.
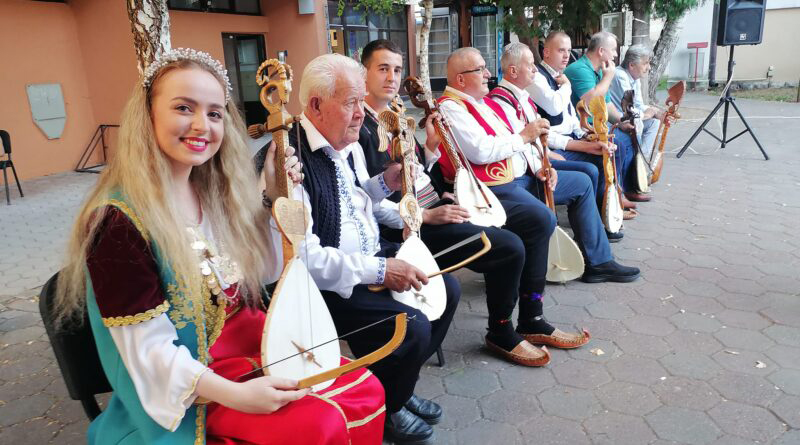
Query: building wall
column 778, row 49
column 39, row 43
column 305, row 36
column 86, row 45
column 695, row 27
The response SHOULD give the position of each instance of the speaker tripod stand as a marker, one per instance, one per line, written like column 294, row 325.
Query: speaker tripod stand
column 728, row 101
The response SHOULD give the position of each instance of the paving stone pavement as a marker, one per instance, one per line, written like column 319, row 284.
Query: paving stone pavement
column 720, row 294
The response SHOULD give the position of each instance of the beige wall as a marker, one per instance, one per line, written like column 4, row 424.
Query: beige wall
column 39, row 44
column 86, row 45
column 778, row 48
column 304, row 36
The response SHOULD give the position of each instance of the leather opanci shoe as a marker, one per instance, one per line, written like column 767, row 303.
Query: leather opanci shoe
column 559, row 339
column 425, row 409
column 524, row 354
column 405, row 427
column 638, row 197
column 610, row 271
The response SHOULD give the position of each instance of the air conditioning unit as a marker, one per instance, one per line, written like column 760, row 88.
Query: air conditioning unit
column 620, row 24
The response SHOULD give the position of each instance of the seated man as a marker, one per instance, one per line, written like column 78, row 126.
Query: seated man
column 591, row 76
column 551, row 91
column 497, row 155
column 343, row 250
column 512, row 268
column 635, row 65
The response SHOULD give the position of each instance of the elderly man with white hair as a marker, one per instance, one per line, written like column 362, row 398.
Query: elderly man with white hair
column 343, row 250
column 628, row 77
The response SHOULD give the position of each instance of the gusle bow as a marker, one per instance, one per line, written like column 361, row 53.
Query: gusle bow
column 295, row 321
column 396, row 132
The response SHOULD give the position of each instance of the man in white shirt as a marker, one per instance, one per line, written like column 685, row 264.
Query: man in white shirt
column 343, row 250
column 628, row 77
column 551, row 92
column 485, row 138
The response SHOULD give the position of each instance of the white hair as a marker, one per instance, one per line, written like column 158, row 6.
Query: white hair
column 512, row 54
column 636, row 54
column 319, row 76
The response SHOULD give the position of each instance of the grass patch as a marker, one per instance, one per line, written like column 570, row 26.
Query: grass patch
column 788, row 94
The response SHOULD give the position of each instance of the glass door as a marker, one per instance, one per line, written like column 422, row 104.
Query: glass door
column 484, row 38
column 243, row 55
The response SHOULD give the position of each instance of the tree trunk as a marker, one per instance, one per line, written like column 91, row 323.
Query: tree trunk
column 150, row 27
column 641, row 36
column 424, row 36
column 662, row 53
column 518, row 12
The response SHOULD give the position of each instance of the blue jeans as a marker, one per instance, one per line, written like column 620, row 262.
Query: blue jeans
column 624, row 155
column 574, row 189
column 584, row 167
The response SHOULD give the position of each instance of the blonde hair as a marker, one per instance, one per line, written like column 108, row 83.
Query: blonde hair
column 226, row 186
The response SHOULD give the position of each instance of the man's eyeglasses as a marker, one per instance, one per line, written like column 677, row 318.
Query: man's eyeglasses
column 479, row 69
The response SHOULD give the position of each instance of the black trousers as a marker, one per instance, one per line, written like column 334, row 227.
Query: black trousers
column 399, row 371
column 502, row 266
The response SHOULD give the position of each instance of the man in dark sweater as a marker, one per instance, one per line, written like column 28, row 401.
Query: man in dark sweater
column 515, row 266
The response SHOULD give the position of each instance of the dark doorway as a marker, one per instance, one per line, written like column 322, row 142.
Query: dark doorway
column 243, row 55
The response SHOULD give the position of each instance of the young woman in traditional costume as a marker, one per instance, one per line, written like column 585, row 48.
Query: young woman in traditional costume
column 168, row 256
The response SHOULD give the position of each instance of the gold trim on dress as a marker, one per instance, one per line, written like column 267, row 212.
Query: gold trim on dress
column 128, row 320
column 341, row 389
column 366, row 420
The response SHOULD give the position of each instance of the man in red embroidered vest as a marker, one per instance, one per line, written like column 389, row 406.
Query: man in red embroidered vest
column 486, row 136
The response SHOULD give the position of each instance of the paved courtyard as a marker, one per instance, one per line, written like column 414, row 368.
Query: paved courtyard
column 705, row 349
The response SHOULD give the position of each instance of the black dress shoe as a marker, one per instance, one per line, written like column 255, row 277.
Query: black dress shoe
column 615, row 237
column 610, row 271
column 425, row 409
column 404, row 427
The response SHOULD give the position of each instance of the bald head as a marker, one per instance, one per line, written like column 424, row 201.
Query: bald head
column 460, row 60
column 466, row 72
column 557, row 47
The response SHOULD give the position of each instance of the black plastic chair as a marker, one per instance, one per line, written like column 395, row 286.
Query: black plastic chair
column 5, row 163
column 75, row 351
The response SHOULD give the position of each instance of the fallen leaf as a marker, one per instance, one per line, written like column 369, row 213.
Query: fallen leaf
column 597, row 351
column 760, row 364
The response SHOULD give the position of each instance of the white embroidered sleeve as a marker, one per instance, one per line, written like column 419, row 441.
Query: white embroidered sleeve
column 163, row 374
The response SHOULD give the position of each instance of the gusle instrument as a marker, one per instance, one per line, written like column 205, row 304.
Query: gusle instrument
column 299, row 336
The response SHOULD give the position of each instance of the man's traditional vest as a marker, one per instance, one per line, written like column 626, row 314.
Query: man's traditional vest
column 505, row 95
column 496, row 173
column 554, row 120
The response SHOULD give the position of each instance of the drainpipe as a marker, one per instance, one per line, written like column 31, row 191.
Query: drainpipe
column 712, row 52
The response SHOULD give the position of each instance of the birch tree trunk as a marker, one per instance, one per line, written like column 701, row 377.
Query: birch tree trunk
column 424, row 36
column 641, row 36
column 662, row 53
column 150, row 28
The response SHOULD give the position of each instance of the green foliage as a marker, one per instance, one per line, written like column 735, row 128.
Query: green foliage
column 383, row 7
column 667, row 9
column 673, row 9
column 545, row 15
